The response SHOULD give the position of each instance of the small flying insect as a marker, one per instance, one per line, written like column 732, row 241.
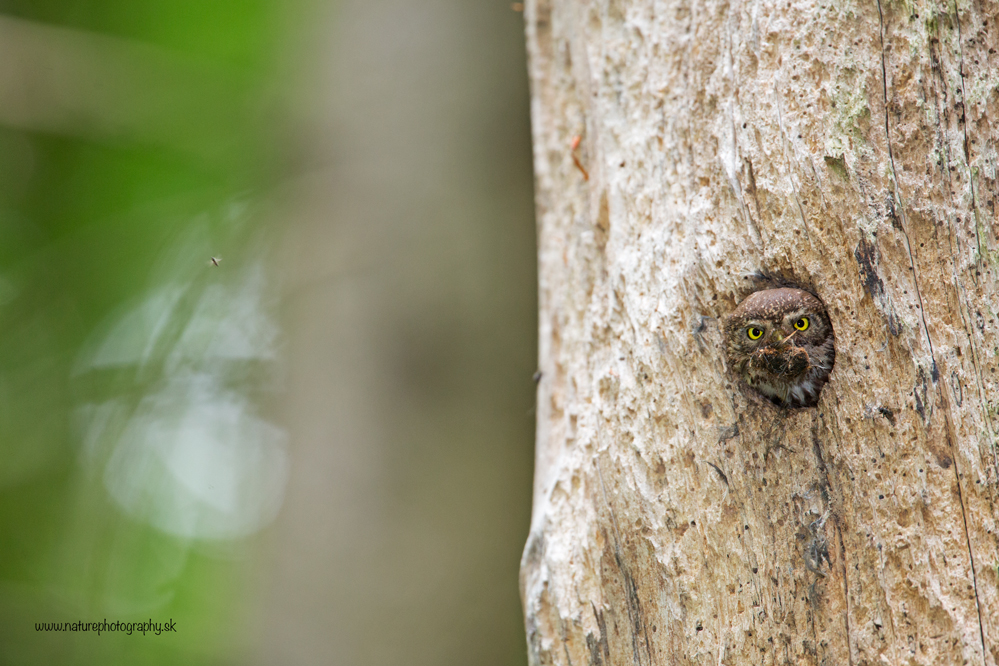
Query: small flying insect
column 215, row 261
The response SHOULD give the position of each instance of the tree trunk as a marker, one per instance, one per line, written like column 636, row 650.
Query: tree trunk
column 844, row 147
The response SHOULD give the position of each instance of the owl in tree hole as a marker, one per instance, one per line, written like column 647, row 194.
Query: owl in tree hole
column 781, row 342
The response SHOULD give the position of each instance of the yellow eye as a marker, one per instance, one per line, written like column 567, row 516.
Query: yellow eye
column 754, row 333
column 801, row 324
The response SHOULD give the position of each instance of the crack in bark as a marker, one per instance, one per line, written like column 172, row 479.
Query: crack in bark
column 846, row 591
column 974, row 351
column 967, row 534
column 976, row 365
column 950, row 438
column 598, row 647
column 828, row 498
column 964, row 129
column 978, row 239
column 966, row 320
column 922, row 312
column 632, row 604
column 901, row 208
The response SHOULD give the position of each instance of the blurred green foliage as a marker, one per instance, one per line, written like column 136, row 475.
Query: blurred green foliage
column 240, row 33
column 93, row 216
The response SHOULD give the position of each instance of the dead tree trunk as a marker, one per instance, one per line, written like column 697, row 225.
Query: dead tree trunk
column 846, row 147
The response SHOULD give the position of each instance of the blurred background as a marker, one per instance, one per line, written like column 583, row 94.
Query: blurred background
column 267, row 330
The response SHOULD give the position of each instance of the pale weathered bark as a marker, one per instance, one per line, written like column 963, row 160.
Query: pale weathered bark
column 850, row 147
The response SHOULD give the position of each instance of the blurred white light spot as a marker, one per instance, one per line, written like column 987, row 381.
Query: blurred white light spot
column 227, row 324
column 195, row 462
column 97, row 423
column 132, row 339
column 191, row 456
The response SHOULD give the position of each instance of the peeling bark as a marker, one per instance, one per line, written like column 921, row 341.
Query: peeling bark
column 679, row 518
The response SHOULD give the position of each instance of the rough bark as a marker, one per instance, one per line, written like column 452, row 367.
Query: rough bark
column 848, row 147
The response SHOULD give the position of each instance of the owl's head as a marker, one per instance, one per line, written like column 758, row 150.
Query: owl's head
column 781, row 342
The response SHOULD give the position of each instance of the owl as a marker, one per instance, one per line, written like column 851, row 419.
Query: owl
column 781, row 342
